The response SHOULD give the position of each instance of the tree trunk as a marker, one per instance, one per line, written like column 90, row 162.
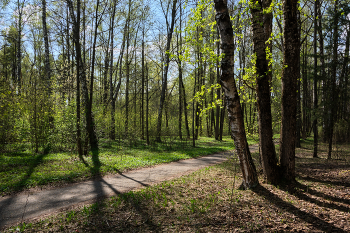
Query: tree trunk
column 94, row 54
column 193, row 110
column 19, row 48
column 345, row 70
column 290, row 77
column 333, row 102
column 234, row 110
column 82, row 76
column 143, row 84
column 185, row 110
column 47, row 52
column 111, row 87
column 261, row 34
column 305, row 93
column 315, row 82
column 218, row 93
column 180, row 80
column 147, row 107
column 47, row 63
column 323, row 73
column 127, row 64
column 165, row 75
column 179, row 51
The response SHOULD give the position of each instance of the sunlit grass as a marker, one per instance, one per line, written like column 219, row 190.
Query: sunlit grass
column 25, row 169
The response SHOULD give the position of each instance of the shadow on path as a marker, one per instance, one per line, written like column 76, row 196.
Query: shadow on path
column 284, row 206
column 130, row 178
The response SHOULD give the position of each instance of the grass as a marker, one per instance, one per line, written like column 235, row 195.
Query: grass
column 208, row 201
column 22, row 170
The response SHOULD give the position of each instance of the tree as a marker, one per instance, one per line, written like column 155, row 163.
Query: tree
column 290, row 76
column 333, row 94
column 170, row 30
column 90, row 124
column 228, row 82
column 262, row 27
column 315, row 81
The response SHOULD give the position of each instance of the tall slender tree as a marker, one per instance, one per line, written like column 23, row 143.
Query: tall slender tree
column 315, row 81
column 262, row 27
column 90, row 124
column 170, row 30
column 290, row 76
column 228, row 82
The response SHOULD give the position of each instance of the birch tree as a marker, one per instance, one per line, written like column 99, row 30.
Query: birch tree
column 228, row 84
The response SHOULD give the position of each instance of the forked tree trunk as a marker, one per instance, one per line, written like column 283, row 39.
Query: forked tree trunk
column 290, row 76
column 228, row 83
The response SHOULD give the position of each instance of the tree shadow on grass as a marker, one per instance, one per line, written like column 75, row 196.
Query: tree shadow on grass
column 284, row 206
column 20, row 185
column 135, row 202
column 98, row 220
column 96, row 164
column 33, row 164
column 81, row 157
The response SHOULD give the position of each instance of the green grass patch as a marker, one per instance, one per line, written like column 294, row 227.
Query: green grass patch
column 22, row 170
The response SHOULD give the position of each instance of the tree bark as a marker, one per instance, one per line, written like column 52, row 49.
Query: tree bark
column 261, row 34
column 290, row 76
column 228, row 83
column 333, row 102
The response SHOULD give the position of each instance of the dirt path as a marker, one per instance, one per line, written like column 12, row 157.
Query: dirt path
column 22, row 207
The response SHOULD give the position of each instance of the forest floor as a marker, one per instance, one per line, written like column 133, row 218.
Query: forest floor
column 207, row 200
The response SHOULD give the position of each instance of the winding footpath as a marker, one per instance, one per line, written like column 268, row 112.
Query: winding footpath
column 33, row 205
